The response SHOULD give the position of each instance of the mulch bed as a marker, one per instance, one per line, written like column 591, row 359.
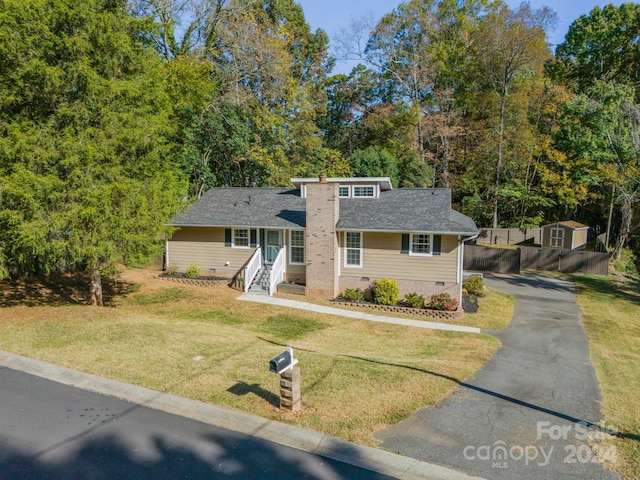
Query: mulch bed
column 470, row 303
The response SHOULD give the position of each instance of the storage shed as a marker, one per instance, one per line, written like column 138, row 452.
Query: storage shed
column 567, row 234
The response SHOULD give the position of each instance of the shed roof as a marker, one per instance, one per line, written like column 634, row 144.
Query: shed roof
column 569, row 223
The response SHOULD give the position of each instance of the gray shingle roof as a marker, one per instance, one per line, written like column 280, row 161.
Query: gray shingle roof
column 246, row 207
column 405, row 210
column 399, row 210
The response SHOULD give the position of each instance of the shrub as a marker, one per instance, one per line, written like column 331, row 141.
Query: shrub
column 172, row 269
column 193, row 271
column 353, row 295
column 474, row 285
column 414, row 300
column 444, row 302
column 626, row 264
column 385, row 292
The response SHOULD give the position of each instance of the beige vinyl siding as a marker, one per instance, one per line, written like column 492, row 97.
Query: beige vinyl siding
column 205, row 247
column 381, row 257
column 293, row 269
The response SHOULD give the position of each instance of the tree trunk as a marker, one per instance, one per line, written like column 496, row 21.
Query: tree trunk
column 444, row 168
column 503, row 101
column 626, row 211
column 96, row 287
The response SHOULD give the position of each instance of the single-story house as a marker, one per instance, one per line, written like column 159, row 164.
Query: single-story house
column 568, row 234
column 327, row 233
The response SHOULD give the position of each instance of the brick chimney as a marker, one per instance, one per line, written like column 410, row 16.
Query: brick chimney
column 323, row 210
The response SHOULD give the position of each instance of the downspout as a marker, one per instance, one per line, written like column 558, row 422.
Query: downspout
column 461, row 263
column 166, row 254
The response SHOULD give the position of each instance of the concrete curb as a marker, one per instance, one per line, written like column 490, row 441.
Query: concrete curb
column 381, row 461
column 283, row 302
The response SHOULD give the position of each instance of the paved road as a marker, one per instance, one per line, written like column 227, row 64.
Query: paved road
column 53, row 431
column 519, row 416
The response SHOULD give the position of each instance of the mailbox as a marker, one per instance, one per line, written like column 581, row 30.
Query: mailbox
column 283, row 362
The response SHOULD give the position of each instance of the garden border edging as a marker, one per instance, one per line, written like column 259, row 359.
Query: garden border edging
column 425, row 312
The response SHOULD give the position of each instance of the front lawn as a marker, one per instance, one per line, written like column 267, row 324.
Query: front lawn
column 199, row 342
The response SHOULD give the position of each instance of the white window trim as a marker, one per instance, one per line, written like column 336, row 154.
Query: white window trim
column 372, row 187
column 304, row 248
column 418, row 254
column 348, row 195
column 347, row 265
column 233, row 238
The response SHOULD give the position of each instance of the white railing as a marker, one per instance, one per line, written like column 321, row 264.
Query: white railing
column 277, row 271
column 252, row 268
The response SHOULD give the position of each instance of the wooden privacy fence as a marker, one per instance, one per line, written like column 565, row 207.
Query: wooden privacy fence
column 509, row 236
column 488, row 259
column 501, row 260
column 565, row 261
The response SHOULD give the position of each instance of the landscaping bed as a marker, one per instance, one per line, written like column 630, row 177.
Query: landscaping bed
column 202, row 280
column 424, row 312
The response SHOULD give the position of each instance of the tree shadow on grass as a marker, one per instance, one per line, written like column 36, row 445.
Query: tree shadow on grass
column 587, row 423
column 627, row 289
column 58, row 291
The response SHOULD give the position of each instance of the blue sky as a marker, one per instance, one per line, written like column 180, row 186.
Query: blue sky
column 331, row 15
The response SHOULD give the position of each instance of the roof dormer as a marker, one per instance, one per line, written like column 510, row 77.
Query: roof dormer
column 357, row 187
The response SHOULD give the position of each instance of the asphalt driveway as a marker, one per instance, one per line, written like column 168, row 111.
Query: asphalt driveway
column 533, row 410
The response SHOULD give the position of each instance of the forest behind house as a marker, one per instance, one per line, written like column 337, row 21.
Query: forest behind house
column 116, row 114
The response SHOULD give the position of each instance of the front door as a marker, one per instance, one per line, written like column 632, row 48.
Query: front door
column 272, row 245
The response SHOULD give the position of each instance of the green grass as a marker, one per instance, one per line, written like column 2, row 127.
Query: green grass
column 290, row 327
column 611, row 314
column 495, row 311
column 199, row 342
column 163, row 295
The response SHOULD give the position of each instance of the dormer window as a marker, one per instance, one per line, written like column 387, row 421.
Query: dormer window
column 363, row 191
column 356, row 187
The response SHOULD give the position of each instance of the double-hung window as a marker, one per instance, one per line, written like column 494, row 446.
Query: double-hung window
column 241, row 238
column 421, row 244
column 344, row 192
column 296, row 247
column 353, row 249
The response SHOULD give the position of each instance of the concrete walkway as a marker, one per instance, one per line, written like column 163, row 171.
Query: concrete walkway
column 527, row 412
column 283, row 302
column 380, row 461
